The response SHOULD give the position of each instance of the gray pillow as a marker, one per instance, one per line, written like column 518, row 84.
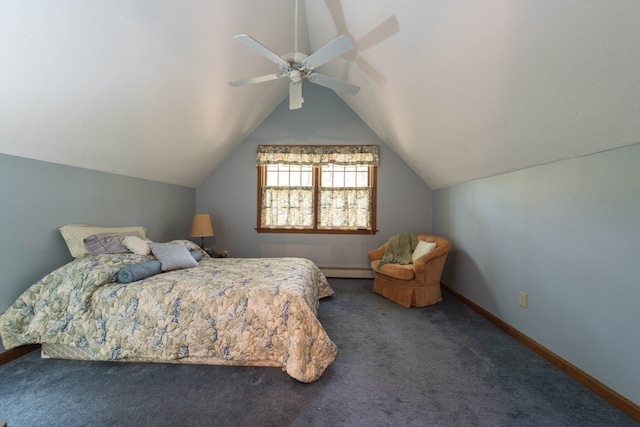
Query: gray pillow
column 172, row 256
column 107, row 243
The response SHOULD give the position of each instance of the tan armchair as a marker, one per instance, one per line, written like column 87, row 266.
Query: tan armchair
column 416, row 284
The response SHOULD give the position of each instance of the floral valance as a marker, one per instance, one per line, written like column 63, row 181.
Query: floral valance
column 318, row 155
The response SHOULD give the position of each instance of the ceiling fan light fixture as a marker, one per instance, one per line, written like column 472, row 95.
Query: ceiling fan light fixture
column 295, row 76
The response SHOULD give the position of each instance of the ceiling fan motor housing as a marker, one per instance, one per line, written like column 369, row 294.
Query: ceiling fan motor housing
column 295, row 57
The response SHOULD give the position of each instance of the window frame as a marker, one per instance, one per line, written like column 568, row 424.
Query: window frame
column 316, row 184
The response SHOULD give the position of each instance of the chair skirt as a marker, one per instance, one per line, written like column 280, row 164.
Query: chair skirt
column 406, row 292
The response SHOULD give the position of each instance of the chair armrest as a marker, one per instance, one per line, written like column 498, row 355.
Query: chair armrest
column 441, row 250
column 377, row 253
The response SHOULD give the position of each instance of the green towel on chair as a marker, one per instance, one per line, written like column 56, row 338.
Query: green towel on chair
column 399, row 249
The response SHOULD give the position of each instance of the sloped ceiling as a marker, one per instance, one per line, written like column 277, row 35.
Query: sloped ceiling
column 459, row 89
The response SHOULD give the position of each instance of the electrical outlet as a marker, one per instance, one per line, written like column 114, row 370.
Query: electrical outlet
column 523, row 299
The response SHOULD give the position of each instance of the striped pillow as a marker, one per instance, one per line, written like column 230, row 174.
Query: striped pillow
column 107, row 243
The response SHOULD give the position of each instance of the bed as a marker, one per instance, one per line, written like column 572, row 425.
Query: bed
column 223, row 311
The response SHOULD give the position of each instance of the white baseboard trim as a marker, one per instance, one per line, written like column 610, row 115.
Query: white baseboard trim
column 347, row 273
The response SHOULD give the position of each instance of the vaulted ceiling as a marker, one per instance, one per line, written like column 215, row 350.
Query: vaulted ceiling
column 458, row 89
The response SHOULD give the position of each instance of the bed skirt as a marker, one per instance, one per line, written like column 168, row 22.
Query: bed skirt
column 62, row 351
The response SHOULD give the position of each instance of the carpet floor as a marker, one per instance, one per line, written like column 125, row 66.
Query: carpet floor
column 442, row 365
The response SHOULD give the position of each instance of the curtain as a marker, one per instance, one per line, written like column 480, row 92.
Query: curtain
column 318, row 155
column 287, row 207
column 345, row 207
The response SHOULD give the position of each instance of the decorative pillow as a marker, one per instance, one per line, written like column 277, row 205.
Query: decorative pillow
column 137, row 245
column 422, row 248
column 197, row 255
column 74, row 234
column 139, row 271
column 172, row 256
column 107, row 243
column 145, row 269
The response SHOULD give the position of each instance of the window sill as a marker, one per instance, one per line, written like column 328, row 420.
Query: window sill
column 315, row 231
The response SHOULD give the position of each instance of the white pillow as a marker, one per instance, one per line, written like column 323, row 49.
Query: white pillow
column 422, row 248
column 74, row 234
column 137, row 245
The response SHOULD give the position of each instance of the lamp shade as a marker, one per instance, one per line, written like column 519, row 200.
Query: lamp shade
column 201, row 226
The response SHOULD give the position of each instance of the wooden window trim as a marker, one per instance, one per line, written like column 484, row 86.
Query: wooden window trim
column 317, row 171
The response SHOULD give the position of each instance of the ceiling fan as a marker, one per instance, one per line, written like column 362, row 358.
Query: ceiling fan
column 298, row 66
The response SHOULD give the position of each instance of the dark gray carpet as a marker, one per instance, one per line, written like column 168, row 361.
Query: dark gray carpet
column 442, row 365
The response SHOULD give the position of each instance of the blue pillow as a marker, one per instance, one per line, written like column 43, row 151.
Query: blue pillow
column 197, row 255
column 139, row 271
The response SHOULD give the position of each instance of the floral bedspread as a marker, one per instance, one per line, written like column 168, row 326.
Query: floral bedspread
column 233, row 309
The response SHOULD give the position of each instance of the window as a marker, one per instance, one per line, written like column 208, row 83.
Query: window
column 317, row 189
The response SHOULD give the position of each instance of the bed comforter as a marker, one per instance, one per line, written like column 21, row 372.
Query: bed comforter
column 240, row 310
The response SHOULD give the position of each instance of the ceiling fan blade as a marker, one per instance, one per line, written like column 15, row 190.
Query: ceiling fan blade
column 254, row 80
column 295, row 95
column 252, row 43
column 331, row 83
column 333, row 49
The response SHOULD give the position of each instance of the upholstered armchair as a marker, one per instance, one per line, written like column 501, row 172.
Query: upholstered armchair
column 416, row 284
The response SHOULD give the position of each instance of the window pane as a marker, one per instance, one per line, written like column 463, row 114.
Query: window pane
column 307, row 176
column 294, row 180
column 283, row 177
column 289, row 175
column 345, row 176
column 362, row 179
column 327, row 178
column 350, row 179
column 272, row 177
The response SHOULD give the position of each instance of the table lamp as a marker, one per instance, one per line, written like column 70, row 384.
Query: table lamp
column 201, row 227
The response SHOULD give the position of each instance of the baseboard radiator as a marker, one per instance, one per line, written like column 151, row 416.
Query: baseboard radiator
column 347, row 272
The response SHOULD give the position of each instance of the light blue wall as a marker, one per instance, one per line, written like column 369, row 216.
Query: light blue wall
column 567, row 234
column 36, row 198
column 230, row 193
